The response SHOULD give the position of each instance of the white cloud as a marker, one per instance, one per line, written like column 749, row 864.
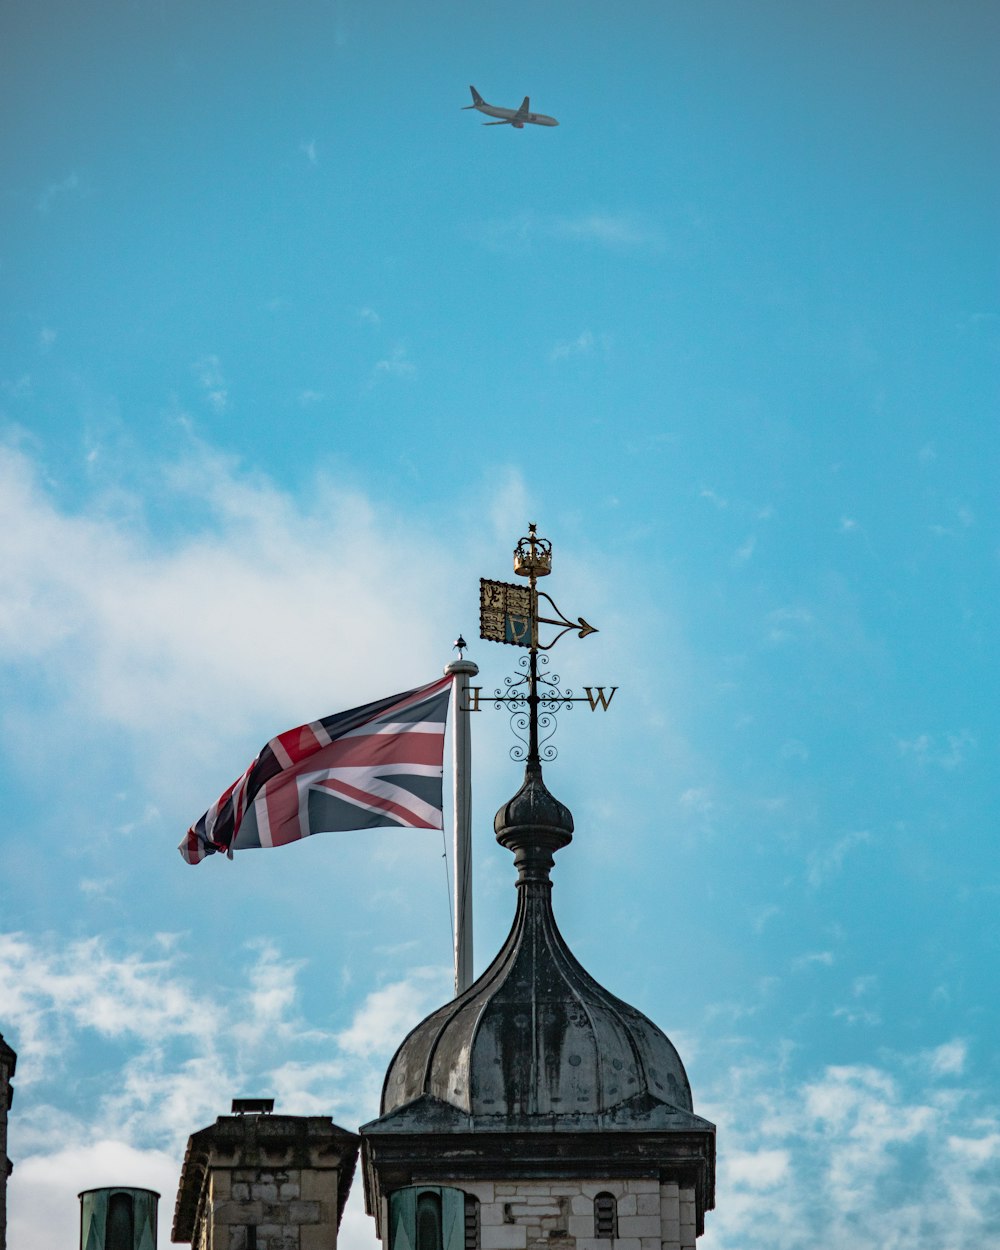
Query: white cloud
column 157, row 640
column 948, row 751
column 608, row 229
column 309, row 150
column 186, row 1053
column 697, row 799
column 584, row 344
column 762, row 915
column 709, row 494
column 388, row 1014
column 949, row 1059
column 787, row 623
column 824, row 959
column 396, row 365
column 208, row 371
column 793, row 749
column 618, row 230
column 853, row 1155
column 758, row 1169
column 826, row 862
column 745, row 550
column 44, row 1211
column 55, row 191
column 369, row 316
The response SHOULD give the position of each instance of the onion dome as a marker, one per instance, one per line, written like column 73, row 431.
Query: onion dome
column 536, row 1042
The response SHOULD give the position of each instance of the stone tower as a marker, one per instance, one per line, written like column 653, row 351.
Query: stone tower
column 265, row 1182
column 537, row 1111
column 8, row 1062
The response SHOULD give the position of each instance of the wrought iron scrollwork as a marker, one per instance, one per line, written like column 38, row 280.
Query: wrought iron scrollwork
column 514, row 697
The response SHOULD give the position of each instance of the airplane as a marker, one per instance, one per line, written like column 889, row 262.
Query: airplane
column 509, row 117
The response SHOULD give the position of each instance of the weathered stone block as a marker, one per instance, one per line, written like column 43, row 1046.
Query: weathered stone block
column 504, row 1237
column 490, row 1213
column 321, row 1184
column 627, row 1205
column 642, row 1186
column 670, row 1207
column 264, row 1191
column 579, row 1205
column 300, row 1212
column 240, row 1191
column 317, row 1237
column 506, row 1189
column 288, row 1190
column 581, row 1225
column 483, row 1190
column 237, row 1212
column 648, row 1204
column 638, row 1226
column 533, row 1208
column 670, row 1230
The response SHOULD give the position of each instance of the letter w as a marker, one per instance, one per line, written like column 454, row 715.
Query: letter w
column 601, row 698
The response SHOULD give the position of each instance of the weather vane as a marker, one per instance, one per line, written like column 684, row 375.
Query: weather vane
column 511, row 614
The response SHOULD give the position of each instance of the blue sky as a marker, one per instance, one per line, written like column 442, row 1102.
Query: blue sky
column 292, row 350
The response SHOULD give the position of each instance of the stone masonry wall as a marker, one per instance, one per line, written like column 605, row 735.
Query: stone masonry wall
column 288, row 1208
column 559, row 1215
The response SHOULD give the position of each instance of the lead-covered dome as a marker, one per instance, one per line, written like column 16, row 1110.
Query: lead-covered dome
column 536, row 1041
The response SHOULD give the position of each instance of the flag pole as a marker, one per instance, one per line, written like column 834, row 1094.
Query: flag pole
column 461, row 670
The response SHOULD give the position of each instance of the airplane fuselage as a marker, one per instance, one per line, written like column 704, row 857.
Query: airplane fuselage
column 512, row 116
column 509, row 117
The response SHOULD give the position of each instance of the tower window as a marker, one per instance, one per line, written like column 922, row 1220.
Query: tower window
column 121, row 1222
column 433, row 1217
column 429, row 1221
column 605, row 1216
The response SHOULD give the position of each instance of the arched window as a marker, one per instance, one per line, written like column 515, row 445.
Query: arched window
column 605, row 1216
column 121, row 1223
column 428, row 1221
column 433, row 1217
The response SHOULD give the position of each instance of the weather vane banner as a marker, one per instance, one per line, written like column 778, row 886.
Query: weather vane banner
column 505, row 612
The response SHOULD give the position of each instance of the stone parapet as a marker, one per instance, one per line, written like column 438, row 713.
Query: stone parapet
column 265, row 1182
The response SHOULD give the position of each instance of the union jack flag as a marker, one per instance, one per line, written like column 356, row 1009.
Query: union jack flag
column 380, row 764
